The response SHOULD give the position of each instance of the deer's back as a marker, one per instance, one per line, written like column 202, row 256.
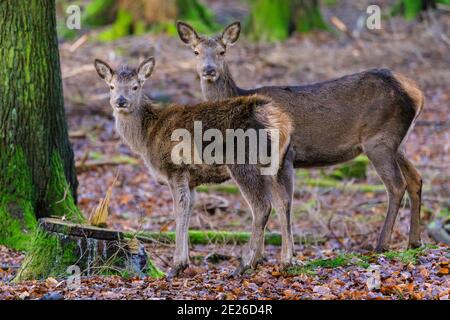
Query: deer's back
column 333, row 119
column 251, row 112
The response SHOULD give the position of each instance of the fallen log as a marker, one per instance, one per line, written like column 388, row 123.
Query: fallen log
column 205, row 237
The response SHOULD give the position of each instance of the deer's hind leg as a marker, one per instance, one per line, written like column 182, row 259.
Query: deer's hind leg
column 414, row 189
column 384, row 159
column 255, row 189
column 282, row 197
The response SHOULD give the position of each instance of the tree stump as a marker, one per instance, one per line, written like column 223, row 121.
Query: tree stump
column 58, row 245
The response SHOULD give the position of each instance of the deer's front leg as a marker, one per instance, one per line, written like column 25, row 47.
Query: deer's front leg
column 183, row 202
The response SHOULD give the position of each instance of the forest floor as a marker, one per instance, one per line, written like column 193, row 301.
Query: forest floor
column 346, row 215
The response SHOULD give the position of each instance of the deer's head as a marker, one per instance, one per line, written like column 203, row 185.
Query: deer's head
column 126, row 84
column 210, row 52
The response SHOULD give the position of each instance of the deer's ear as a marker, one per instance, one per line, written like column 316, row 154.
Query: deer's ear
column 104, row 70
column 187, row 33
column 231, row 33
column 146, row 68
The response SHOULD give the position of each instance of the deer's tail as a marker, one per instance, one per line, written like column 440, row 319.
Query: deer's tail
column 415, row 95
column 272, row 117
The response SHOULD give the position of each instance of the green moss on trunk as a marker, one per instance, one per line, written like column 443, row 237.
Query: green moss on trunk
column 17, row 220
column 17, row 214
column 59, row 197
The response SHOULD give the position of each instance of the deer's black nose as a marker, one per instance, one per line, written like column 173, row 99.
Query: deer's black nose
column 121, row 102
column 209, row 71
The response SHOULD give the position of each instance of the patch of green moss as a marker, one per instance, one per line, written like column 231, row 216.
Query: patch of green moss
column 225, row 188
column 406, row 257
column 303, row 179
column 153, row 271
column 199, row 237
column 333, row 184
column 444, row 213
column 17, row 221
column 48, row 255
column 355, row 169
column 341, row 260
column 347, row 259
column 228, row 188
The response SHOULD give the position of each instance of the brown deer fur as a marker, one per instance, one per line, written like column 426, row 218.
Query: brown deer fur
column 148, row 132
column 369, row 112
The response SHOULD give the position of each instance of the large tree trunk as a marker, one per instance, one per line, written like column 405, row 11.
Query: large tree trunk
column 38, row 177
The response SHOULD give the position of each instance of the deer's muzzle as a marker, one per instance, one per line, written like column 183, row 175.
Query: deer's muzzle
column 121, row 103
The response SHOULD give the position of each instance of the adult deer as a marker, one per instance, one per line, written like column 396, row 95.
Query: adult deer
column 370, row 112
column 150, row 131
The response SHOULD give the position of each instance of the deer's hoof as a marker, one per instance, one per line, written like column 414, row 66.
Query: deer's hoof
column 239, row 271
column 414, row 244
column 381, row 248
column 294, row 262
column 261, row 261
column 176, row 270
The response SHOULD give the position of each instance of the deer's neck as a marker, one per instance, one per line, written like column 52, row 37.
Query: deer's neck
column 222, row 88
column 133, row 127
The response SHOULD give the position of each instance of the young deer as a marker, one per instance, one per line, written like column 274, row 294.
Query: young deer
column 148, row 131
column 370, row 112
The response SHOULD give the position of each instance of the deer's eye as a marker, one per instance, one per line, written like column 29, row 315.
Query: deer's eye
column 111, row 87
column 222, row 53
column 135, row 88
column 196, row 53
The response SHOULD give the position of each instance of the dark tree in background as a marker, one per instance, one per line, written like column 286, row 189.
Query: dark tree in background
column 37, row 172
column 411, row 9
column 272, row 20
